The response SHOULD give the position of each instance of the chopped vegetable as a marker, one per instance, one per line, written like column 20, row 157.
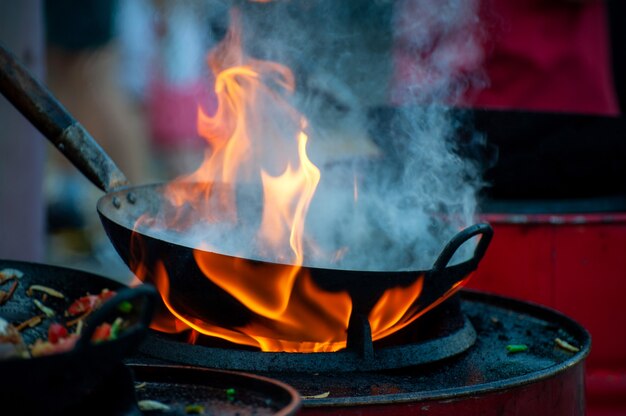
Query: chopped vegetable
column 152, row 405
column 56, row 332
column 77, row 320
column 83, row 305
column 101, row 333
column 31, row 322
column 5, row 296
column 11, row 342
column 516, row 348
column 40, row 347
column 59, row 339
column 43, row 308
column 8, row 274
column 45, row 289
column 194, row 409
column 230, row 394
column 79, row 327
column 141, row 385
column 115, row 328
column 125, row 307
column 566, row 345
column 318, row 396
column 88, row 303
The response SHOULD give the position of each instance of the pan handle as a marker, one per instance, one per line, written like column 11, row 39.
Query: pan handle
column 453, row 245
column 110, row 307
column 43, row 110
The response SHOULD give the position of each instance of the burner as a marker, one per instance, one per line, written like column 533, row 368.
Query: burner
column 544, row 379
column 442, row 333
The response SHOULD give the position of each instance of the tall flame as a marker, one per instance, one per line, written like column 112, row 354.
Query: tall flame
column 257, row 137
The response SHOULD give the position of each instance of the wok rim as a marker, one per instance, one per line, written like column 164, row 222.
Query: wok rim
column 121, row 197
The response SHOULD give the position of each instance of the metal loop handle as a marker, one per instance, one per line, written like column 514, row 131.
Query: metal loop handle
column 100, row 315
column 457, row 241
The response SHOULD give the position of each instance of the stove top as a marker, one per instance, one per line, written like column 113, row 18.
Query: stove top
column 441, row 333
column 500, row 324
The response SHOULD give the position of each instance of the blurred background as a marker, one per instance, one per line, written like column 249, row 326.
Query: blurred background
column 133, row 72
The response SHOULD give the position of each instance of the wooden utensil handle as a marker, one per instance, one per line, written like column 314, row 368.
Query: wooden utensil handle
column 43, row 110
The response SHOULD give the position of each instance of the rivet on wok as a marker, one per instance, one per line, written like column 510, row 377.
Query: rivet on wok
column 130, row 197
column 116, row 202
column 61, row 146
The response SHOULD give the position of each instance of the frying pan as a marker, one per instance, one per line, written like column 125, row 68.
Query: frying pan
column 50, row 383
column 191, row 292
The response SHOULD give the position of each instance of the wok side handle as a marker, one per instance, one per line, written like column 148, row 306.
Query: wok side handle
column 453, row 245
column 110, row 307
column 40, row 107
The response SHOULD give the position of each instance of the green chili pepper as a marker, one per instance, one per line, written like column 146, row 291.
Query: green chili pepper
column 517, row 348
column 125, row 307
column 230, row 394
column 115, row 328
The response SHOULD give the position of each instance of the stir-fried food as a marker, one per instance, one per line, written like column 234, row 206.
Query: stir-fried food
column 87, row 304
column 11, row 342
column 65, row 324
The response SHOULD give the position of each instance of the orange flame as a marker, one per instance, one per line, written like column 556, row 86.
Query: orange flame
column 257, row 137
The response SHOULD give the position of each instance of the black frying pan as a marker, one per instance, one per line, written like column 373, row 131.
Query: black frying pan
column 191, row 292
column 49, row 384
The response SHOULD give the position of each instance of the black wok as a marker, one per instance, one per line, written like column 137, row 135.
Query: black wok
column 192, row 293
column 53, row 383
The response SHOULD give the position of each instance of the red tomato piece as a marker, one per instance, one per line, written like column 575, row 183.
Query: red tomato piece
column 82, row 305
column 102, row 333
column 106, row 294
column 56, row 332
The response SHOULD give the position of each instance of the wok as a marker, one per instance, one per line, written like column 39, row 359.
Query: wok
column 53, row 383
column 191, row 292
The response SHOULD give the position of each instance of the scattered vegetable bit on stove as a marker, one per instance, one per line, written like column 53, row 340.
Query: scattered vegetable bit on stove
column 318, row 396
column 194, row 409
column 46, row 290
column 8, row 274
column 152, row 405
column 516, row 348
column 6, row 296
column 43, row 308
column 566, row 345
column 230, row 394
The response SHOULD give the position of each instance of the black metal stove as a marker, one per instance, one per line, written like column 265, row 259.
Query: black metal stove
column 441, row 333
column 483, row 377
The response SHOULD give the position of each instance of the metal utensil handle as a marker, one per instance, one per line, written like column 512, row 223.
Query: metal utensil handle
column 40, row 107
column 458, row 240
column 108, row 308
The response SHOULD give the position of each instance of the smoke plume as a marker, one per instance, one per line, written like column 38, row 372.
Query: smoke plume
column 376, row 81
